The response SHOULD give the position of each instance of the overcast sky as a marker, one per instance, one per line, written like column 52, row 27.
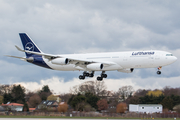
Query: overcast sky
column 86, row 26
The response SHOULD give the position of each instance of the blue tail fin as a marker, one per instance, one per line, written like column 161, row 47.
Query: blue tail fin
column 28, row 44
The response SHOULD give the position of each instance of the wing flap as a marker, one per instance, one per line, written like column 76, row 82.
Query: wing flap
column 74, row 60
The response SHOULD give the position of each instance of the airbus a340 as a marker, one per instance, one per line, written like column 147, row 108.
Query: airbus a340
column 91, row 62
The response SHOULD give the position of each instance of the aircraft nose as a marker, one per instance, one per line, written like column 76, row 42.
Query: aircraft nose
column 172, row 59
column 175, row 58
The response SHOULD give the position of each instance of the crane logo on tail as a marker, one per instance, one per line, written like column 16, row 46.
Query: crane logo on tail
column 29, row 47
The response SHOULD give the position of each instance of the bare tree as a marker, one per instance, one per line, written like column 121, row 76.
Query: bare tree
column 125, row 91
column 100, row 88
column 74, row 90
column 168, row 91
column 5, row 89
column 87, row 87
column 113, row 101
column 133, row 100
column 34, row 100
column 141, row 93
column 65, row 97
column 80, row 106
column 96, row 87
column 28, row 95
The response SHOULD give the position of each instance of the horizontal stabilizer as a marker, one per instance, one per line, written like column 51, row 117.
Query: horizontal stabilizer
column 22, row 58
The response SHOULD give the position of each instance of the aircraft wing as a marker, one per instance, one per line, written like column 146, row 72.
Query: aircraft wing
column 71, row 60
column 85, row 61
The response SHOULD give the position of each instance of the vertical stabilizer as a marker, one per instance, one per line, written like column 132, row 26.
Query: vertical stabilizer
column 28, row 44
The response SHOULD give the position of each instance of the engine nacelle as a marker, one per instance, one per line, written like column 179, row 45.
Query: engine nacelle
column 126, row 70
column 95, row 66
column 60, row 61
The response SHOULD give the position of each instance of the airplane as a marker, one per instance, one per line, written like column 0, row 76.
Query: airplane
column 90, row 62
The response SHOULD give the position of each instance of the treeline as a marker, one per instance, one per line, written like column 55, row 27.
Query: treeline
column 92, row 96
column 168, row 97
column 18, row 94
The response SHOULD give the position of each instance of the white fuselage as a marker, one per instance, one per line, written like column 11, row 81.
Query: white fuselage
column 91, row 62
column 122, row 60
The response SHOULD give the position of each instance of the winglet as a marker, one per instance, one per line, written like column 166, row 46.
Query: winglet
column 19, row 49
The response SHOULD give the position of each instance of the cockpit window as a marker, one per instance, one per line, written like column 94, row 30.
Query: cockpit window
column 169, row 54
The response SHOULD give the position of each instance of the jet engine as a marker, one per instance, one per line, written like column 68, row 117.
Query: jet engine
column 95, row 66
column 60, row 61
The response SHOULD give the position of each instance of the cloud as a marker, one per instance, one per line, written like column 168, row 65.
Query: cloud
column 60, row 27
column 58, row 85
column 110, row 26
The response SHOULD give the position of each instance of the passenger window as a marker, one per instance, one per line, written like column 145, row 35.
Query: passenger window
column 169, row 54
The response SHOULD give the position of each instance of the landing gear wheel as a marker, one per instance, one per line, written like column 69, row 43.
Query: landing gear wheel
column 104, row 75
column 91, row 75
column 158, row 72
column 99, row 78
column 85, row 74
column 81, row 77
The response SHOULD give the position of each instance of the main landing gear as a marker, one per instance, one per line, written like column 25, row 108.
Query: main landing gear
column 103, row 75
column 87, row 74
column 159, row 72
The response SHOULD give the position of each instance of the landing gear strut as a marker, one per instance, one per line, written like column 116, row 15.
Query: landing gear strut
column 91, row 74
column 103, row 75
column 159, row 72
column 86, row 74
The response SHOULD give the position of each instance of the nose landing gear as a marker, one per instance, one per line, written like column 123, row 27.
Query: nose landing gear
column 159, row 72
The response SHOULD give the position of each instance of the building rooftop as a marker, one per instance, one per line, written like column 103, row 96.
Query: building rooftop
column 12, row 104
column 31, row 109
column 147, row 104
